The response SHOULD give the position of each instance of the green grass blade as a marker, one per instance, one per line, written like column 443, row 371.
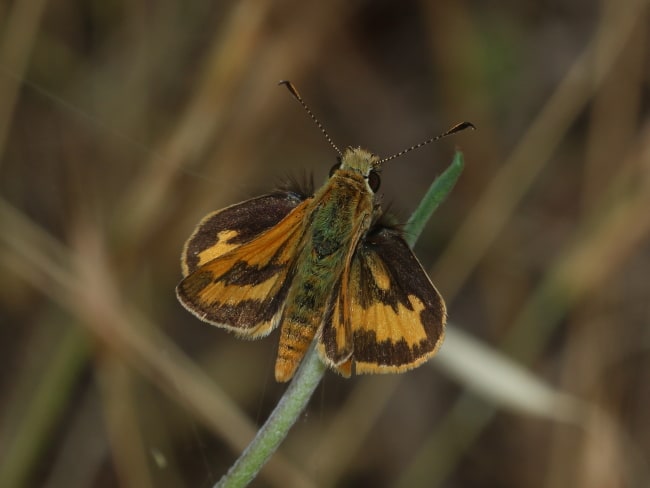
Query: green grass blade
column 438, row 191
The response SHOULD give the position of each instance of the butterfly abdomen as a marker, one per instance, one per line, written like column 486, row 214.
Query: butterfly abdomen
column 308, row 298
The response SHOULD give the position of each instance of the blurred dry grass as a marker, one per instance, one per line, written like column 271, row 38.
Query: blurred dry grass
column 121, row 124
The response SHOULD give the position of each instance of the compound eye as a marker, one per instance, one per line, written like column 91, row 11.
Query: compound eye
column 374, row 181
column 335, row 167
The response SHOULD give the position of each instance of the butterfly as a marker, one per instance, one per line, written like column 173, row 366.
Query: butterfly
column 323, row 266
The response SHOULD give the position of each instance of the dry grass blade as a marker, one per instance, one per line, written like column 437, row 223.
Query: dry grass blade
column 201, row 119
column 19, row 34
column 506, row 190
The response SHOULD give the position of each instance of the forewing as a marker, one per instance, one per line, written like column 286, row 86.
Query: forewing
column 244, row 288
column 224, row 230
column 397, row 316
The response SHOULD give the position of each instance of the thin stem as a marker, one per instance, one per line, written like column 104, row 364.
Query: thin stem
column 438, row 191
column 277, row 426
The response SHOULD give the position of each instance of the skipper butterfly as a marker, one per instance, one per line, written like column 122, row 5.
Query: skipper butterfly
column 323, row 266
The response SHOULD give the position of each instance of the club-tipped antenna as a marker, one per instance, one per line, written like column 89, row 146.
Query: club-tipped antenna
column 456, row 128
column 292, row 89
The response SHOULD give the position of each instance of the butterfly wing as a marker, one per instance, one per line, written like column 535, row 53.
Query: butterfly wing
column 395, row 317
column 237, row 264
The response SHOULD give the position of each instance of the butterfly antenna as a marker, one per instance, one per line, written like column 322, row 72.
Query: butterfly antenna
column 456, row 128
column 297, row 96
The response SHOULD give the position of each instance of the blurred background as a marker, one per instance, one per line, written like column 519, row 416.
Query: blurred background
column 123, row 123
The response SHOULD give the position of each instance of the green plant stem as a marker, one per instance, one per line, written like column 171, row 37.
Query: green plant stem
column 275, row 429
column 294, row 400
column 436, row 194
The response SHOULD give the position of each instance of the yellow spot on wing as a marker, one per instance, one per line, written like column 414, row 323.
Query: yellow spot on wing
column 220, row 248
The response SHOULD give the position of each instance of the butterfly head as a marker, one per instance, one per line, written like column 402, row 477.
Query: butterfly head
column 361, row 163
